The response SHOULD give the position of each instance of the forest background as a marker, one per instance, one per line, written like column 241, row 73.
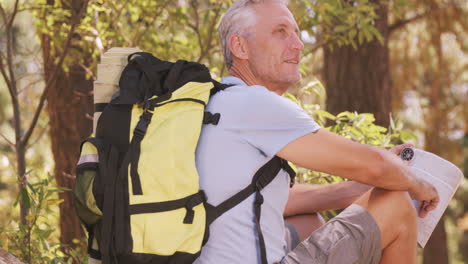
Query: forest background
column 405, row 62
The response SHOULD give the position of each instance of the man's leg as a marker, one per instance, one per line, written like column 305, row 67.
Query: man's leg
column 396, row 217
column 305, row 224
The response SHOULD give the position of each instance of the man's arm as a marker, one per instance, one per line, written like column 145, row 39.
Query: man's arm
column 308, row 198
column 327, row 152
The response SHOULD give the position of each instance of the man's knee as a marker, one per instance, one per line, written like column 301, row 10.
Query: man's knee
column 398, row 202
column 305, row 224
column 392, row 210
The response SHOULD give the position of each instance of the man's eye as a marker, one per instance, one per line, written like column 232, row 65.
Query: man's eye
column 281, row 32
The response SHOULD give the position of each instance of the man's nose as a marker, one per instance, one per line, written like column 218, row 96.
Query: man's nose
column 296, row 42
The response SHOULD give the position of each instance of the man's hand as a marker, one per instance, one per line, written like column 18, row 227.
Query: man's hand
column 426, row 194
column 423, row 191
column 397, row 149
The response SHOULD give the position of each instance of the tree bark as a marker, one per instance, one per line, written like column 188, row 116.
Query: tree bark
column 436, row 133
column 68, row 126
column 359, row 79
column 69, row 99
column 436, row 251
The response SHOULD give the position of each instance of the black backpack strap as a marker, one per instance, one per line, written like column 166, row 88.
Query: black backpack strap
column 108, row 169
column 171, row 78
column 261, row 179
column 208, row 117
column 292, row 174
column 123, row 241
column 135, row 148
column 188, row 203
column 93, row 253
column 218, row 87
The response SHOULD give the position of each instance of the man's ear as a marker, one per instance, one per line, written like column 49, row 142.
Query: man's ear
column 238, row 46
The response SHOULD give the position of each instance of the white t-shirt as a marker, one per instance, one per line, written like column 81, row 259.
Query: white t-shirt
column 254, row 125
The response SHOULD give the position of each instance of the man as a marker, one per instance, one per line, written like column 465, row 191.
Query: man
column 262, row 49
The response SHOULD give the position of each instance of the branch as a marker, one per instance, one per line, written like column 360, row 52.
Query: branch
column 30, row 84
column 119, row 12
column 89, row 116
column 5, row 76
column 209, row 37
column 13, row 15
column 196, row 27
column 117, row 17
column 9, row 63
column 37, row 6
column 8, row 141
column 98, row 40
column 41, row 134
column 51, row 79
column 138, row 37
column 9, row 47
column 68, row 175
column 403, row 22
column 3, row 13
column 88, row 71
column 317, row 46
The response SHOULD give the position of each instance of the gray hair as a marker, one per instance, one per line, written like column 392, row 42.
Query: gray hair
column 239, row 16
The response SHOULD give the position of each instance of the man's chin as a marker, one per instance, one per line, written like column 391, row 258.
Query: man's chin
column 290, row 82
column 294, row 78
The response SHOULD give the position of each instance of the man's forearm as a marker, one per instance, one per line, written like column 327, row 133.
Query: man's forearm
column 393, row 173
column 307, row 198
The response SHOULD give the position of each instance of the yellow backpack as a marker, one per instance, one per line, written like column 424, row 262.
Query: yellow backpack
column 137, row 190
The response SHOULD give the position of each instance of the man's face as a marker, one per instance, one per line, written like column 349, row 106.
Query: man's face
column 274, row 49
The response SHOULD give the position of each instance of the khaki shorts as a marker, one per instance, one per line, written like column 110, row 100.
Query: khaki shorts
column 352, row 237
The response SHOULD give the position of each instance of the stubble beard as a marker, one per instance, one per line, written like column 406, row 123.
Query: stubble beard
column 275, row 80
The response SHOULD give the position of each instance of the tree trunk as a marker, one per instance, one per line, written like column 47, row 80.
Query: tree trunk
column 436, row 134
column 68, row 126
column 69, row 99
column 435, row 251
column 359, row 79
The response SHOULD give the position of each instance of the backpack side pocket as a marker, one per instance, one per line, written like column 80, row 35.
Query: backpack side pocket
column 87, row 171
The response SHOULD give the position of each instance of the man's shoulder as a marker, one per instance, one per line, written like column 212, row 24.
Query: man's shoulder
column 239, row 86
column 243, row 95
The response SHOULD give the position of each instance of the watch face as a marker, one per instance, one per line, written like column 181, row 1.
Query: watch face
column 407, row 154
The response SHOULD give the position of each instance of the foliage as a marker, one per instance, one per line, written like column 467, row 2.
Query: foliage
column 32, row 243
column 338, row 22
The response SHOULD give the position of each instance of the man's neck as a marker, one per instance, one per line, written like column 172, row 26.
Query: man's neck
column 243, row 72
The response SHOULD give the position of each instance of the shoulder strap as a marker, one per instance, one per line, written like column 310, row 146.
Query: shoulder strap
column 261, row 179
column 110, row 170
column 218, row 87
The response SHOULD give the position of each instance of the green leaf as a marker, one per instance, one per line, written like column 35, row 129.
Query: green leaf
column 52, row 202
column 59, row 189
column 376, row 33
column 323, row 113
column 31, row 187
column 406, row 135
column 25, row 198
column 346, row 116
column 290, row 96
column 360, row 37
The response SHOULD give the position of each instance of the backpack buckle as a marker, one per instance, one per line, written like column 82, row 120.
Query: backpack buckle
column 259, row 198
column 142, row 125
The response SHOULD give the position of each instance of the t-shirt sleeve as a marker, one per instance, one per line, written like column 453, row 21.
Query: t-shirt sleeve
column 269, row 122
